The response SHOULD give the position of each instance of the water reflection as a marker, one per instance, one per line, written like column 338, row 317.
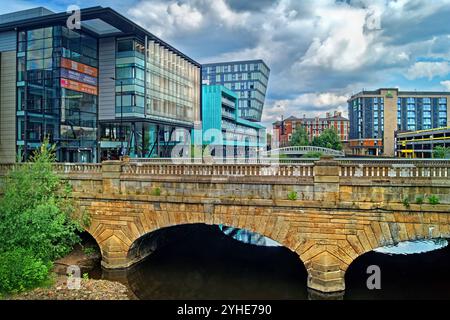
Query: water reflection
column 208, row 263
column 219, row 268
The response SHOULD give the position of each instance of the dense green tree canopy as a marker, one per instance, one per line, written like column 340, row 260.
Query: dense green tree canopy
column 37, row 223
column 299, row 137
column 328, row 139
column 440, row 152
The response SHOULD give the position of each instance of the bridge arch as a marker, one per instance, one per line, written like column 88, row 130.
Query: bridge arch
column 120, row 227
column 153, row 240
column 326, row 270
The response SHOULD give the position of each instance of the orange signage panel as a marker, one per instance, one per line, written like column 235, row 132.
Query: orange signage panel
column 80, row 67
column 78, row 86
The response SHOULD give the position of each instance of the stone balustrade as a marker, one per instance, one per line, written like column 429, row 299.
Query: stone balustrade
column 342, row 208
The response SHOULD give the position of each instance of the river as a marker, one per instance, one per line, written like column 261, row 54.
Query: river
column 209, row 264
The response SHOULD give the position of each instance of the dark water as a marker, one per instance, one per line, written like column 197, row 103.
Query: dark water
column 207, row 264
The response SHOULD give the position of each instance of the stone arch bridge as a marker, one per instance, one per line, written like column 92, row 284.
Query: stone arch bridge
column 342, row 208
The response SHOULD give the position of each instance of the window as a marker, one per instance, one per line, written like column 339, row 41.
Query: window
column 125, row 45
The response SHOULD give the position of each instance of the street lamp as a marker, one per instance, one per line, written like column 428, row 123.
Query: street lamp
column 121, row 114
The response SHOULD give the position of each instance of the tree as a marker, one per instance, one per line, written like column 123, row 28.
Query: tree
column 440, row 152
column 328, row 139
column 37, row 222
column 299, row 137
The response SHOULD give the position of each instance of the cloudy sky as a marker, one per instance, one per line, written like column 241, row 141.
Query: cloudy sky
column 319, row 51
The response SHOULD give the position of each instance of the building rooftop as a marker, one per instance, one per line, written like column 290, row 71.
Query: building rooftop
column 399, row 93
column 98, row 21
column 335, row 116
column 235, row 62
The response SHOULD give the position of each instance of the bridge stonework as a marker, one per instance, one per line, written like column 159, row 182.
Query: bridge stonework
column 341, row 212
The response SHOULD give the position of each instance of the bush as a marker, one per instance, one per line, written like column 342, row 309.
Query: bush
column 21, row 270
column 313, row 154
column 419, row 200
column 433, row 200
column 292, row 195
column 156, row 192
column 406, row 202
column 37, row 220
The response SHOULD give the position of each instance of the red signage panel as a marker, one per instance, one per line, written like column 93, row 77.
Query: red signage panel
column 80, row 67
column 78, row 86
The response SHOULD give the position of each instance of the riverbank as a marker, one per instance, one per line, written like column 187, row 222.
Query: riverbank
column 90, row 289
column 86, row 256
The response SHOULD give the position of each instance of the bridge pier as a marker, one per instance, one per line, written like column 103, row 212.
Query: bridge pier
column 326, row 273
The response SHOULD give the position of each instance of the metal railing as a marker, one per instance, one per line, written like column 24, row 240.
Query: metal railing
column 301, row 150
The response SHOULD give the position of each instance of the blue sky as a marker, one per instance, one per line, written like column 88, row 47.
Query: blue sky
column 319, row 52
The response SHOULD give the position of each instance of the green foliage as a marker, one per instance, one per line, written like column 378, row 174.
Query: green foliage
column 85, row 276
column 406, row 202
column 328, row 139
column 89, row 251
column 299, row 137
column 440, row 152
column 156, row 192
column 313, row 154
column 419, row 200
column 292, row 195
column 37, row 214
column 21, row 270
column 433, row 199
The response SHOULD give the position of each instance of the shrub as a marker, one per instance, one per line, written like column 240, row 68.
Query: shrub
column 21, row 270
column 433, row 200
column 406, row 202
column 293, row 195
column 419, row 200
column 89, row 251
column 313, row 154
column 38, row 223
column 156, row 192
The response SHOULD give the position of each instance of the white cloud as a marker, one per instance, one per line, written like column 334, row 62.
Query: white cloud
column 428, row 69
column 446, row 84
column 308, row 104
column 327, row 46
column 167, row 18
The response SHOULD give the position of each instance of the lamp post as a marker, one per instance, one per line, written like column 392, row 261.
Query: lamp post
column 121, row 114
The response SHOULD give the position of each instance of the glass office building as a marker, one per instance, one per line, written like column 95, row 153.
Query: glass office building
column 375, row 117
column 157, row 101
column 224, row 130
column 248, row 79
column 98, row 91
column 50, row 102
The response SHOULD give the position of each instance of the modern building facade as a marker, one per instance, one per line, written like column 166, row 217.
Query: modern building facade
column 375, row 117
column 421, row 143
column 313, row 126
column 99, row 90
column 248, row 79
column 224, row 129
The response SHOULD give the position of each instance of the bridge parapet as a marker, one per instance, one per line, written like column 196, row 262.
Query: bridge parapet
column 342, row 208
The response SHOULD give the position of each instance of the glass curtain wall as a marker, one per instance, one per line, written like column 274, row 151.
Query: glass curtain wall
column 160, row 91
column 55, row 98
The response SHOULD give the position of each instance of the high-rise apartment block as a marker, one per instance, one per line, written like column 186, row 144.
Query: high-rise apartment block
column 248, row 79
column 375, row 117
